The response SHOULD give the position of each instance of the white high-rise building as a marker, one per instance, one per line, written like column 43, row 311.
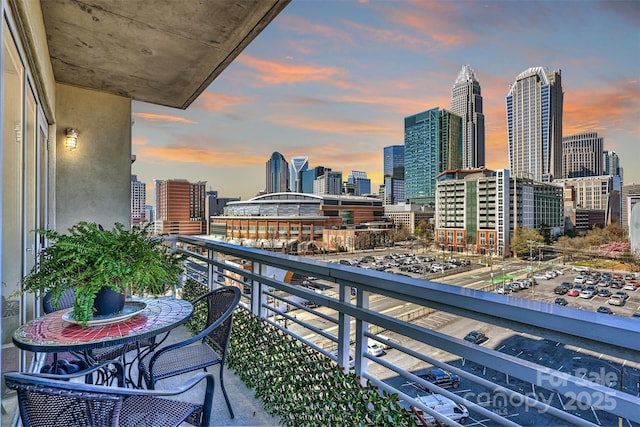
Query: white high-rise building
column 466, row 102
column 534, row 125
column 611, row 164
column 328, row 183
column 138, row 200
column 298, row 165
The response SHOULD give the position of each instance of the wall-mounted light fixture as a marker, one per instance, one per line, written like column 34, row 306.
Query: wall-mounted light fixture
column 71, row 140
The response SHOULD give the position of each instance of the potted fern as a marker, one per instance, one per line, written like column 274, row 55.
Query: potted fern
column 94, row 261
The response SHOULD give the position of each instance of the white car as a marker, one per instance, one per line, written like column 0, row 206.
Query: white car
column 352, row 363
column 616, row 300
column 587, row 293
column 384, row 342
column 375, row 349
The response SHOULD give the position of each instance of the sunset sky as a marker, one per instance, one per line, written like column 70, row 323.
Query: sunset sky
column 333, row 81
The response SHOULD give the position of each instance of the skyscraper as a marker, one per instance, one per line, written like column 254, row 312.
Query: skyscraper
column 361, row 182
column 180, row 207
column 309, row 176
column 582, row 155
column 277, row 174
column 297, row 166
column 328, row 183
column 393, row 158
column 432, row 144
column 138, row 200
column 611, row 164
column 466, row 102
column 534, row 125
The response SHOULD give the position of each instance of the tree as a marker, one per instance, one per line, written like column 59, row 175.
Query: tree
column 401, row 233
column 524, row 239
column 424, row 233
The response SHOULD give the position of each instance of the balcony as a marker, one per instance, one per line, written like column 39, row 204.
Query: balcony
column 530, row 374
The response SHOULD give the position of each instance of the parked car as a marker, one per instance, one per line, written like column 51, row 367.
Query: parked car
column 476, row 337
column 352, row 362
column 579, row 279
column 604, row 309
column 616, row 300
column 604, row 293
column 441, row 378
column 375, row 349
column 573, row 293
column 384, row 342
column 561, row 301
column 636, row 314
column 622, row 294
column 445, row 406
column 560, row 290
column 587, row 293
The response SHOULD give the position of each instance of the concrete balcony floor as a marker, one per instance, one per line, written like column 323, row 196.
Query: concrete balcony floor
column 247, row 409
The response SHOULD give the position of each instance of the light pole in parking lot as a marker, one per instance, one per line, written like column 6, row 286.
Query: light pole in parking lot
column 502, row 277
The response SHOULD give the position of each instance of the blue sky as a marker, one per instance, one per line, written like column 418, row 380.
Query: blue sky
column 333, row 80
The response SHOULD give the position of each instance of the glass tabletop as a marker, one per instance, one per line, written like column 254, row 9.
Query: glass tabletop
column 52, row 333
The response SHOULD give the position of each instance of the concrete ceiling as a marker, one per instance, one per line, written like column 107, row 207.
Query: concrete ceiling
column 159, row 51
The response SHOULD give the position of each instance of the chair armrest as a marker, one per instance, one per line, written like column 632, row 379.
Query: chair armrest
column 63, row 377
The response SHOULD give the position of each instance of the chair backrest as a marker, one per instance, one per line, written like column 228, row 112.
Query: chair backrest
column 67, row 299
column 220, row 303
column 47, row 403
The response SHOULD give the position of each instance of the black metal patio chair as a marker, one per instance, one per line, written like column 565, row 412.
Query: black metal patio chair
column 47, row 400
column 97, row 355
column 207, row 348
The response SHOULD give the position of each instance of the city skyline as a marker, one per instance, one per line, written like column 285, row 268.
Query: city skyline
column 333, row 81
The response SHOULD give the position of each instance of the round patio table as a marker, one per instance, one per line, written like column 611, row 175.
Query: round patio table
column 54, row 334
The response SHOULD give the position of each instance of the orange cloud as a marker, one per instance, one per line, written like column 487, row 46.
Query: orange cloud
column 434, row 22
column 163, row 118
column 221, row 102
column 388, row 36
column 602, row 109
column 139, row 140
column 306, row 27
column 204, row 156
column 276, row 73
column 337, row 126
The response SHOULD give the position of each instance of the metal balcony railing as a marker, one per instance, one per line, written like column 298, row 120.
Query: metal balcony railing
column 554, row 366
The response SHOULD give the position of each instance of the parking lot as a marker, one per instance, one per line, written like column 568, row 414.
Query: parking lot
column 544, row 290
column 618, row 374
column 477, row 274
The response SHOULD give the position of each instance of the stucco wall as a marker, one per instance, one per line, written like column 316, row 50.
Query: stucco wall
column 93, row 181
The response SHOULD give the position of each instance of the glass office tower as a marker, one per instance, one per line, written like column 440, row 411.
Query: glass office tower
column 432, row 144
column 466, row 102
column 534, row 125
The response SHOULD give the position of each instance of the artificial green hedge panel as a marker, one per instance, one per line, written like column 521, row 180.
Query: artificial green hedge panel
column 298, row 384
